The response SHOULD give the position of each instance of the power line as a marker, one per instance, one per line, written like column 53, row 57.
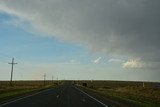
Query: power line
column 12, row 63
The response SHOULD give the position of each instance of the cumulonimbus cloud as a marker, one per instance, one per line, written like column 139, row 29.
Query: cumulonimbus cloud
column 124, row 27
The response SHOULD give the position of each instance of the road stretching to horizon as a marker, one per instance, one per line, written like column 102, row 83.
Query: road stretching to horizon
column 66, row 95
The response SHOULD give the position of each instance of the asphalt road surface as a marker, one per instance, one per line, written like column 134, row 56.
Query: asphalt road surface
column 65, row 95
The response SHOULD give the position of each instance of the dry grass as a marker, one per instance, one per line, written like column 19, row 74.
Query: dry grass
column 148, row 92
column 18, row 85
column 21, row 87
column 127, row 89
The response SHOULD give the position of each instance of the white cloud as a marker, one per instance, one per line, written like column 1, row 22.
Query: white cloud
column 97, row 60
column 116, row 60
column 73, row 61
column 133, row 64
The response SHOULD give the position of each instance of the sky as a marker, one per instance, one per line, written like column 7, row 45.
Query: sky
column 80, row 39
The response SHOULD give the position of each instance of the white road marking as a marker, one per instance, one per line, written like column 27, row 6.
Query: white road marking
column 91, row 97
column 83, row 100
column 57, row 96
column 23, row 97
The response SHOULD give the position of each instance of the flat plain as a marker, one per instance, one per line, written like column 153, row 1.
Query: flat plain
column 117, row 93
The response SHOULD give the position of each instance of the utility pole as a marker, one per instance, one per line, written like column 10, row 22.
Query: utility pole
column 57, row 81
column 52, row 79
column 12, row 63
column 44, row 78
column 143, row 85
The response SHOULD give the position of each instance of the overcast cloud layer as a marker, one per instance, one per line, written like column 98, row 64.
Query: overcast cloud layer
column 115, row 27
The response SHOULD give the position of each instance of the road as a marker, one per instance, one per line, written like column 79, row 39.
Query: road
column 65, row 95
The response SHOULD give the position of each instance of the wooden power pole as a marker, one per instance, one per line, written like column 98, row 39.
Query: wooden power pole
column 12, row 63
column 44, row 79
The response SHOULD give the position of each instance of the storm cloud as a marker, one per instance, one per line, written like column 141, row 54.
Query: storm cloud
column 128, row 28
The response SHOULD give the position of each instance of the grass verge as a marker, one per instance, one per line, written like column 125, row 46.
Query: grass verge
column 138, row 101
